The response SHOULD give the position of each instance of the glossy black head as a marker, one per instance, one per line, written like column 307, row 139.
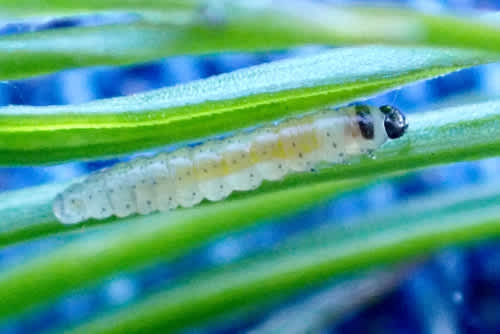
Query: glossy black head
column 394, row 122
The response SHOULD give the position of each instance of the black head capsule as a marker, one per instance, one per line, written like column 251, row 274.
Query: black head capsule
column 394, row 122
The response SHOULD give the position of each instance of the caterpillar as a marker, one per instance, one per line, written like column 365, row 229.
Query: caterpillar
column 213, row 170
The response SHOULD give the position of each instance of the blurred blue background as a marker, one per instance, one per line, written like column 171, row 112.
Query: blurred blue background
column 457, row 291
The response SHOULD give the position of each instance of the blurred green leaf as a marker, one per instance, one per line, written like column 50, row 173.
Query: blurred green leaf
column 442, row 136
column 454, row 134
column 409, row 231
column 331, row 304
column 31, row 135
column 166, row 28
column 104, row 250
column 23, row 8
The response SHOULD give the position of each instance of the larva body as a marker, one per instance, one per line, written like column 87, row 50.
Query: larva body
column 213, row 170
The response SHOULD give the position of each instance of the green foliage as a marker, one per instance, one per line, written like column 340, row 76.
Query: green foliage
column 95, row 251
column 454, row 134
column 227, row 102
column 165, row 28
column 410, row 231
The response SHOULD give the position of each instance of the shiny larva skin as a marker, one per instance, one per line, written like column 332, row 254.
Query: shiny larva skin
column 215, row 169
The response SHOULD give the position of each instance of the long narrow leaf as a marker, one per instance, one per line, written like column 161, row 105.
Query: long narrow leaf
column 142, row 240
column 169, row 28
column 458, row 134
column 30, row 135
column 442, row 136
column 331, row 304
column 25, row 8
column 312, row 260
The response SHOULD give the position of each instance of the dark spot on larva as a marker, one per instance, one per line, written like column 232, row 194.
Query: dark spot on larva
column 365, row 121
column 134, row 186
column 221, row 186
column 111, row 191
column 341, row 154
column 328, row 134
column 205, row 170
column 127, row 206
column 280, row 166
column 264, row 152
column 148, row 202
column 170, row 198
column 179, row 178
column 334, row 145
column 194, row 194
column 188, row 173
column 103, row 210
column 143, row 181
column 73, row 201
column 312, row 170
column 90, row 196
column 293, row 144
column 251, row 175
column 300, row 155
column 154, row 182
column 234, row 162
column 243, row 155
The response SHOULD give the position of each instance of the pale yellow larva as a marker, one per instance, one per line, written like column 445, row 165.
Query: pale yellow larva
column 214, row 169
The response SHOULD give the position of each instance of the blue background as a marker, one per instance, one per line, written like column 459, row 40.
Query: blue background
column 458, row 290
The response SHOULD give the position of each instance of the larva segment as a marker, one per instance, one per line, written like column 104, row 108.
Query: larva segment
column 353, row 140
column 187, row 192
column 95, row 196
column 146, row 173
column 265, row 152
column 329, row 133
column 380, row 135
column 120, row 190
column 209, row 171
column 240, row 171
column 299, row 144
column 69, row 206
column 163, row 184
